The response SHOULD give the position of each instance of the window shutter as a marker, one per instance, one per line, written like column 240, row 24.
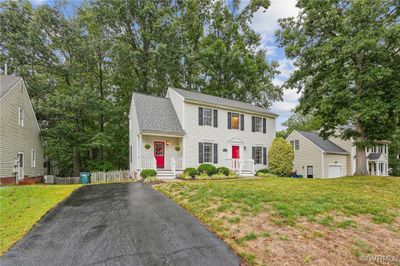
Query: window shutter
column 229, row 120
column 241, row 122
column 264, row 156
column 201, row 152
column 200, row 116
column 253, row 124
column 264, row 125
column 253, row 153
column 215, row 153
column 215, row 118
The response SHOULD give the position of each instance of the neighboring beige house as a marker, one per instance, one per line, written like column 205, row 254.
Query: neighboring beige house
column 21, row 149
column 315, row 157
column 186, row 128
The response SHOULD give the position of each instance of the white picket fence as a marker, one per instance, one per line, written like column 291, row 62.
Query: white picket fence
column 107, row 177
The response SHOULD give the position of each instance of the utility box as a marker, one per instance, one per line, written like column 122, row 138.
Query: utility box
column 49, row 179
column 84, row 178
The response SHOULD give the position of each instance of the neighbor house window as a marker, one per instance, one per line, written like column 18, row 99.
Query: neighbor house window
column 33, row 158
column 295, row 144
column 20, row 117
column 207, row 117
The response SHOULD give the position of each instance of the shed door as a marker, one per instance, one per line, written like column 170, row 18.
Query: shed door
column 334, row 171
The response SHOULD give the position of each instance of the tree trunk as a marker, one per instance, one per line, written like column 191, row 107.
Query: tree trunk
column 77, row 163
column 361, row 160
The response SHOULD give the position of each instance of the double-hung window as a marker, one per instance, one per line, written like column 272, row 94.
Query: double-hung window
column 208, row 152
column 295, row 144
column 258, row 155
column 235, row 121
column 257, row 124
column 207, row 117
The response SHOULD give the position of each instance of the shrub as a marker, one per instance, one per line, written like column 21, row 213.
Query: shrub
column 203, row 176
column 233, row 174
column 191, row 171
column 151, row 179
column 266, row 175
column 145, row 173
column 185, row 176
column 280, row 157
column 223, row 170
column 209, row 169
column 262, row 171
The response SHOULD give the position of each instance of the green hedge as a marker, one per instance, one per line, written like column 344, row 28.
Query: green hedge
column 262, row 171
column 191, row 171
column 223, row 170
column 209, row 169
column 145, row 173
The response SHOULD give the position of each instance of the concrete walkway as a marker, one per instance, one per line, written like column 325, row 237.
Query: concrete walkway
column 119, row 224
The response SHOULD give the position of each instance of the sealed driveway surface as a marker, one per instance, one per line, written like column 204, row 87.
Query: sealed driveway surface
column 119, row 224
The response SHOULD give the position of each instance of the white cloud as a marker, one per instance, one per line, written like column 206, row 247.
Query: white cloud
column 266, row 23
column 285, row 67
column 283, row 107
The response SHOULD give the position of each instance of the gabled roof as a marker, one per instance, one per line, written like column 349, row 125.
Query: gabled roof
column 324, row 144
column 156, row 114
column 219, row 101
column 6, row 83
column 374, row 156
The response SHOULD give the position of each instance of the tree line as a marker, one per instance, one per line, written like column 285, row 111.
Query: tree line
column 82, row 64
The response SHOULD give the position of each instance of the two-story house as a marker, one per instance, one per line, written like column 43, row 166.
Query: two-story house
column 315, row 157
column 186, row 129
column 21, row 149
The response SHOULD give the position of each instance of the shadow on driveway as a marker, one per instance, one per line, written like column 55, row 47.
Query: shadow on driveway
column 119, row 224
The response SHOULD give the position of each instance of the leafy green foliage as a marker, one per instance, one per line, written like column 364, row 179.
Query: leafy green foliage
column 262, row 171
column 81, row 69
column 280, row 157
column 208, row 169
column 223, row 170
column 347, row 67
column 192, row 172
column 151, row 179
column 145, row 173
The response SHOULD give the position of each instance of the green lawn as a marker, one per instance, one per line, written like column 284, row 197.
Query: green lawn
column 272, row 219
column 22, row 206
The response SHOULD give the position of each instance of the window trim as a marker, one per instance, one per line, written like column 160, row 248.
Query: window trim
column 21, row 117
column 211, row 154
column 33, row 158
column 293, row 143
column 260, row 124
column 211, row 117
column 238, row 124
column 261, row 155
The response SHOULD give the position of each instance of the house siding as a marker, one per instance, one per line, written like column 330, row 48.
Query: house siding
column 133, row 137
column 15, row 138
column 335, row 159
column 223, row 136
column 347, row 146
column 177, row 102
column 307, row 155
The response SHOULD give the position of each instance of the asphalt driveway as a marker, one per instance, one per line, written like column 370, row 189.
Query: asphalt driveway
column 119, row 224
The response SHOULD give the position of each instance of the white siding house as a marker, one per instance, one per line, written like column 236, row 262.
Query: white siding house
column 21, row 149
column 185, row 129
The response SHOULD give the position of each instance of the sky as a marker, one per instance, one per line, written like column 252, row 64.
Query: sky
column 265, row 22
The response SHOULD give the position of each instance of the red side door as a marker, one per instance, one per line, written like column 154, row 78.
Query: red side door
column 159, row 153
column 235, row 152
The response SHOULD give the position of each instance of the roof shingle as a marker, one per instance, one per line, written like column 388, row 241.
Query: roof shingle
column 156, row 114
column 201, row 97
column 326, row 145
column 6, row 83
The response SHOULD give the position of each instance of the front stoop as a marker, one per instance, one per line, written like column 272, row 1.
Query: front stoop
column 167, row 174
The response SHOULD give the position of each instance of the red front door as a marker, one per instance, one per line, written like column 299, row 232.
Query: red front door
column 159, row 153
column 235, row 152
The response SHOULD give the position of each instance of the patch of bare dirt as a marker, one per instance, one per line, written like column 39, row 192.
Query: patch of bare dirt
column 310, row 243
